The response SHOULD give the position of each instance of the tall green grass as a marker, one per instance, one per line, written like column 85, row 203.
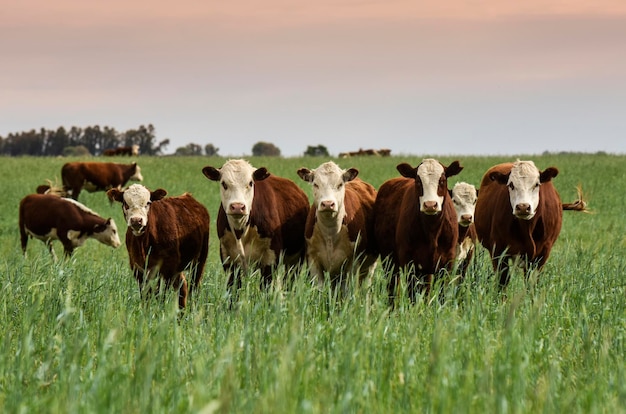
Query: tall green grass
column 77, row 338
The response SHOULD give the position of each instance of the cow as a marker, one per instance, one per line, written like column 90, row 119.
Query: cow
column 340, row 226
column 97, row 176
column 519, row 215
column 464, row 196
column 415, row 225
column 260, row 222
column 48, row 217
column 132, row 150
column 165, row 237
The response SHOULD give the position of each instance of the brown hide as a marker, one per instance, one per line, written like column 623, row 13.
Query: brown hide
column 504, row 235
column 103, row 175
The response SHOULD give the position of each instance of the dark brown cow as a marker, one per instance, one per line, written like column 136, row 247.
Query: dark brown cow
column 518, row 215
column 260, row 221
column 340, row 226
column 48, row 217
column 415, row 224
column 165, row 237
column 132, row 150
column 97, row 176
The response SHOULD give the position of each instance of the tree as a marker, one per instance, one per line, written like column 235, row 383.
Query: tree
column 189, row 149
column 266, row 149
column 211, row 150
column 318, row 151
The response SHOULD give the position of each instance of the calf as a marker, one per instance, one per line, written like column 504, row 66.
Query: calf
column 464, row 198
column 340, row 227
column 97, row 176
column 415, row 224
column 260, row 222
column 165, row 237
column 48, row 217
column 518, row 215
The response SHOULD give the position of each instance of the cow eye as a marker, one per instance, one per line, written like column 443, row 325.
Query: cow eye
column 251, row 183
column 339, row 186
column 316, row 186
column 224, row 186
column 511, row 186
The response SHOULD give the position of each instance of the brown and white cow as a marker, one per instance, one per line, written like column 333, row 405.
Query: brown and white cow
column 260, row 221
column 48, row 217
column 132, row 150
column 415, row 224
column 340, row 226
column 518, row 215
column 165, row 237
column 97, row 176
column 464, row 196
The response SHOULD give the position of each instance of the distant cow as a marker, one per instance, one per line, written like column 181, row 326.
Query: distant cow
column 132, row 150
column 165, row 237
column 415, row 224
column 48, row 217
column 518, row 214
column 340, row 226
column 97, row 176
column 464, row 198
column 260, row 221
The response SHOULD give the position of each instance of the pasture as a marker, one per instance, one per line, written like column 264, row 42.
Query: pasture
column 77, row 338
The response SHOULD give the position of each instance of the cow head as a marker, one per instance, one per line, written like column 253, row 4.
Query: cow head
column 464, row 197
column 523, row 182
column 236, row 178
column 136, row 201
column 137, row 174
column 107, row 233
column 328, row 188
column 431, row 182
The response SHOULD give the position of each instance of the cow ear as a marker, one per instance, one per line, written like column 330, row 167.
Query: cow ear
column 350, row 174
column 115, row 195
column 548, row 174
column 453, row 169
column 157, row 194
column 211, row 173
column 305, row 174
column 499, row 177
column 406, row 170
column 260, row 174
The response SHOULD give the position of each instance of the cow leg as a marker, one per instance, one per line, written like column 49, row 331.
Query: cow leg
column 392, row 288
column 180, row 284
column 266, row 277
column 51, row 250
column 503, row 271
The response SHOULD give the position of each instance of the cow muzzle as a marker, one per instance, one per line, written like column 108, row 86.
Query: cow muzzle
column 466, row 220
column 430, row 208
column 136, row 225
column 524, row 211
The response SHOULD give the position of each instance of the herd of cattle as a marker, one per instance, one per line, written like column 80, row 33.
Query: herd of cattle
column 413, row 223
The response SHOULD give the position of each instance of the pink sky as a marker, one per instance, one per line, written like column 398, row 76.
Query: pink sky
column 504, row 77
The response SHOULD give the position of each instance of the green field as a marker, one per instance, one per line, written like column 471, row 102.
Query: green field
column 75, row 337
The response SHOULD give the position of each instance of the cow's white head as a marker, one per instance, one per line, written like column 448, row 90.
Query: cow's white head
column 431, row 182
column 328, row 188
column 464, row 197
column 523, row 183
column 136, row 201
column 137, row 174
column 107, row 233
column 236, row 178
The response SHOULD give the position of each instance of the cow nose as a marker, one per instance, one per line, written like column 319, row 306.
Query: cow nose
column 327, row 205
column 466, row 218
column 522, row 208
column 237, row 208
column 135, row 222
column 430, row 206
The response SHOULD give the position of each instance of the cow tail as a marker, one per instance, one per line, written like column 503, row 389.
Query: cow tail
column 579, row 205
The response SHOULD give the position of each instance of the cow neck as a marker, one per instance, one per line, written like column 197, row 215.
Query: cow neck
column 526, row 229
column 239, row 227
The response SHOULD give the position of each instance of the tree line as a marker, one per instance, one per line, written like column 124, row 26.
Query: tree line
column 80, row 141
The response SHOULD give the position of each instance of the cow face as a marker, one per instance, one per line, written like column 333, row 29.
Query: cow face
column 329, row 188
column 464, row 198
column 136, row 201
column 524, row 181
column 107, row 233
column 137, row 174
column 431, row 182
column 236, row 178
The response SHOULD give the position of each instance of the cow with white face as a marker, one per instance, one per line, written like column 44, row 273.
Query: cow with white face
column 260, row 220
column 464, row 197
column 340, row 225
column 431, row 182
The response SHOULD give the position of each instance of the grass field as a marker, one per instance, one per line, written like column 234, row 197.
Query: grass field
column 76, row 338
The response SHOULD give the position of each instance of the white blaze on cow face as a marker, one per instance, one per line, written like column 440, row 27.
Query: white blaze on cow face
column 136, row 206
column 329, row 189
column 523, row 184
column 433, row 182
column 464, row 199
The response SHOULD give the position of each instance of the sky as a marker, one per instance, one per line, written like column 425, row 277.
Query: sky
column 440, row 77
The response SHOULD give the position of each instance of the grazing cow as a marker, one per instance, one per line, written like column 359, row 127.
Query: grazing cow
column 260, row 222
column 518, row 215
column 97, row 176
column 48, row 217
column 132, row 150
column 415, row 224
column 340, row 226
column 464, row 197
column 165, row 237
